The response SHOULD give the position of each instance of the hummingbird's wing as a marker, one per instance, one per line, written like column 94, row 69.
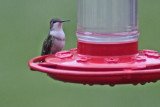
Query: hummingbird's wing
column 47, row 45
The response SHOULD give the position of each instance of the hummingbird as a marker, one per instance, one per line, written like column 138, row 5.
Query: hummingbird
column 55, row 40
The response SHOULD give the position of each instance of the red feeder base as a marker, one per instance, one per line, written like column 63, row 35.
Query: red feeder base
column 70, row 66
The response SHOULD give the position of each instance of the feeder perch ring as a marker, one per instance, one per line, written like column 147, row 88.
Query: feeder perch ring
column 68, row 66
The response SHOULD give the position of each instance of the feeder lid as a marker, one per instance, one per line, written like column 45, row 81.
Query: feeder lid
column 69, row 66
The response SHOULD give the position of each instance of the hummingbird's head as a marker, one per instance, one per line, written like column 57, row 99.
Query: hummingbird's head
column 56, row 24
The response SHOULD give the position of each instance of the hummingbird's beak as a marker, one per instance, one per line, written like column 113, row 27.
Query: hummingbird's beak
column 65, row 20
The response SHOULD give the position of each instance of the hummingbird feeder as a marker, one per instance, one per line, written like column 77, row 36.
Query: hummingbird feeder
column 107, row 49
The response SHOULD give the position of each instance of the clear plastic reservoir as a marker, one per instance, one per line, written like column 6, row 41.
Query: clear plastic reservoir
column 107, row 21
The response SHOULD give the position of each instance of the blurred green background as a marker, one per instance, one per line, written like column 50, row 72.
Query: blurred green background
column 23, row 26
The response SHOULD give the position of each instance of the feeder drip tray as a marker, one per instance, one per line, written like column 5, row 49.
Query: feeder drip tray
column 69, row 66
